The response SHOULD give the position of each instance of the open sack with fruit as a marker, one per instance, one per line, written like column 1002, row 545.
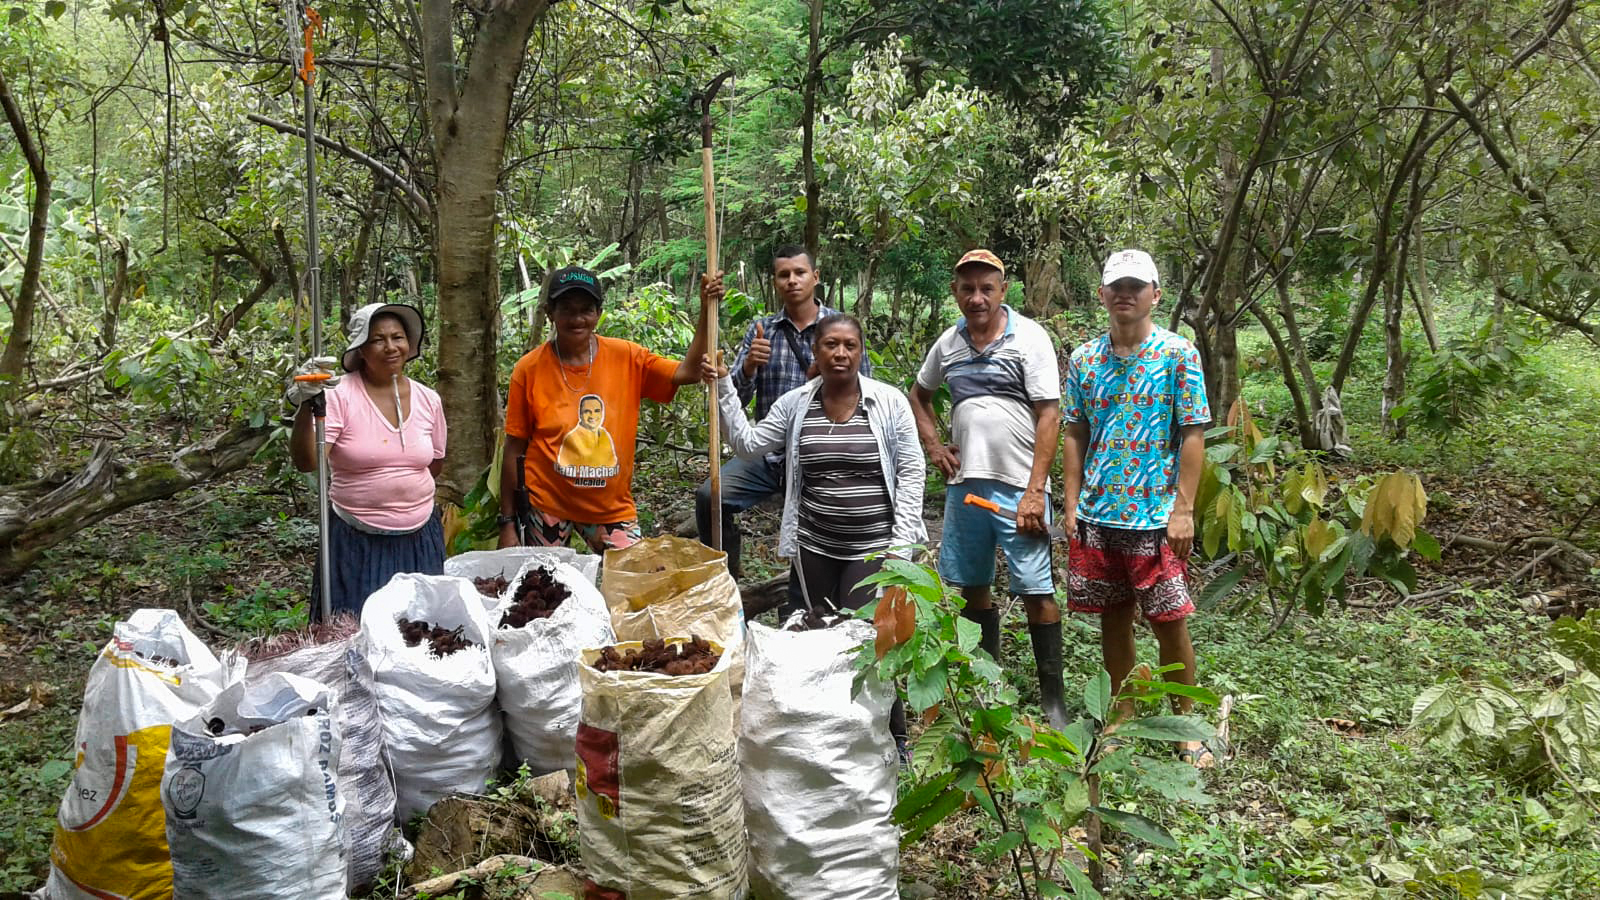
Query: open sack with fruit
column 484, row 566
column 660, row 809
column 110, row 837
column 819, row 767
column 547, row 615
column 253, row 807
column 670, row 586
column 428, row 640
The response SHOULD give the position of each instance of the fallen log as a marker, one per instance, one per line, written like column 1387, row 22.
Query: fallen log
column 37, row 515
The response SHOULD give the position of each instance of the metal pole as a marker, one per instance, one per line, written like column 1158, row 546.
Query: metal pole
column 307, row 76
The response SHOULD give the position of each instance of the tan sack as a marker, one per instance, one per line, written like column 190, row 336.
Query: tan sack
column 660, row 807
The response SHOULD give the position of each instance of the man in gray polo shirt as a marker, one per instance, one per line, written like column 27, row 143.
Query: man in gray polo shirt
column 1005, row 425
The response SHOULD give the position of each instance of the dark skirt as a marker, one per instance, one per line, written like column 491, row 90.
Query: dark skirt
column 364, row 562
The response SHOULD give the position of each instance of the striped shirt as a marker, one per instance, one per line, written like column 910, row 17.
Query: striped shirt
column 992, row 395
column 845, row 511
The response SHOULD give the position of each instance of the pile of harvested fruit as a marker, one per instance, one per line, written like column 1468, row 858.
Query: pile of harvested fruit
column 695, row 657
column 441, row 641
column 537, row 596
column 493, row 586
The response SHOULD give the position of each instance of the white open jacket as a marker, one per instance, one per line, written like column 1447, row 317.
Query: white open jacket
column 888, row 414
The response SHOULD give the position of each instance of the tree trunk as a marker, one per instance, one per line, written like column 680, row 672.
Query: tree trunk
column 808, row 128
column 18, row 346
column 468, row 125
column 1042, row 272
column 40, row 514
column 119, row 288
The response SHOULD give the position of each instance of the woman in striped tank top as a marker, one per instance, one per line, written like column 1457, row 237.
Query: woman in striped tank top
column 854, row 471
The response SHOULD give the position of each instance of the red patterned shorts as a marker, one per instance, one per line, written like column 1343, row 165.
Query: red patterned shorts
column 1107, row 567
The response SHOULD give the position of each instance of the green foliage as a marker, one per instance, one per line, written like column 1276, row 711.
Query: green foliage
column 1306, row 539
column 1464, row 378
column 1536, row 735
column 1032, row 782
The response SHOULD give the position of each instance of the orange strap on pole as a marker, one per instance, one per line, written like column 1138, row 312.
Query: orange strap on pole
column 308, row 67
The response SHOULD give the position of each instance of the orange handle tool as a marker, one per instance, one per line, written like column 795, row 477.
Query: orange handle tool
column 991, row 506
column 317, row 376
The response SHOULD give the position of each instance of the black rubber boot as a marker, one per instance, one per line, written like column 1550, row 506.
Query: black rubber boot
column 989, row 621
column 1047, row 660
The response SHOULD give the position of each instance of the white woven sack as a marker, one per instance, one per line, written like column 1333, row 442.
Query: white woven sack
column 819, row 768
column 507, row 561
column 660, row 810
column 440, row 725
column 364, row 776
column 258, row 816
column 110, row 836
column 536, row 668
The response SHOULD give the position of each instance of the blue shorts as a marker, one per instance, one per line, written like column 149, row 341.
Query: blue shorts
column 966, row 551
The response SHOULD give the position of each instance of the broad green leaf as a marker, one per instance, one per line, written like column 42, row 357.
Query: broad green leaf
column 924, row 689
column 1478, row 716
column 922, row 795
column 1175, row 780
column 55, row 8
column 1167, row 728
column 1081, row 885
column 1219, row 587
column 53, row 770
column 968, row 633
column 17, row 14
column 1192, row 691
column 932, row 814
column 1426, row 545
column 1434, row 704
column 1138, row 826
column 1097, row 695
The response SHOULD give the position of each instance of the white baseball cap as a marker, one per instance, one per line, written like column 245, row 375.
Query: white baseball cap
column 1135, row 264
column 361, row 320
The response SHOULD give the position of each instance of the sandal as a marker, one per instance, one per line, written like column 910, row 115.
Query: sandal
column 1200, row 757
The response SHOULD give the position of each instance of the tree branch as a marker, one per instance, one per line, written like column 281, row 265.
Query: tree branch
column 419, row 203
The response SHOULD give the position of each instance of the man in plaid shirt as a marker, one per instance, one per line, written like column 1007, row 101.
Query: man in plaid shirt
column 774, row 358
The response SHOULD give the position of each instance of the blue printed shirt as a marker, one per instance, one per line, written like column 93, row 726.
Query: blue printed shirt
column 1130, row 474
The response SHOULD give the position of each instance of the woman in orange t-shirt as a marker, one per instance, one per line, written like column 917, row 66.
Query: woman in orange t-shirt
column 571, row 415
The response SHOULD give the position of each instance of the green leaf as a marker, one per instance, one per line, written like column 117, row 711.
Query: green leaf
column 1167, row 728
column 1138, row 826
column 1173, row 779
column 931, row 815
column 54, row 8
column 1220, row 587
column 1177, row 688
column 968, row 633
column 925, row 688
column 17, row 14
column 1426, row 545
column 1081, row 885
column 54, row 770
column 922, row 796
column 1097, row 695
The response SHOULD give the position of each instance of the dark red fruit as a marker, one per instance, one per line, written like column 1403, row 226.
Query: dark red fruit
column 538, row 595
column 441, row 641
column 696, row 657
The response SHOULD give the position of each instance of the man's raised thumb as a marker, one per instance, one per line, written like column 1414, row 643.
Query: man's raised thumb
column 760, row 332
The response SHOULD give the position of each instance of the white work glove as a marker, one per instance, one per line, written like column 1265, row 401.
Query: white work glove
column 299, row 392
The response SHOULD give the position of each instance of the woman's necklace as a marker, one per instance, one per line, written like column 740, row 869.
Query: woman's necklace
column 588, row 368
column 855, row 404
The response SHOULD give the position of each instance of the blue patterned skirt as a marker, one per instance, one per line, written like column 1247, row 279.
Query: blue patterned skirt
column 363, row 562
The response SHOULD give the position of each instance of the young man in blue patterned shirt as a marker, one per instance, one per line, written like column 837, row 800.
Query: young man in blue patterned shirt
column 1135, row 411
column 774, row 358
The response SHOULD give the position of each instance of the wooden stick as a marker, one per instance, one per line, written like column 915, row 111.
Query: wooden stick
column 708, row 186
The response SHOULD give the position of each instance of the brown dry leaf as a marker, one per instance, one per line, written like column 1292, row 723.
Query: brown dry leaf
column 895, row 619
column 39, row 696
column 1344, row 727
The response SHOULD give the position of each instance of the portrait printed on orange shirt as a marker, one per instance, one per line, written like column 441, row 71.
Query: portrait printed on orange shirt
column 587, row 457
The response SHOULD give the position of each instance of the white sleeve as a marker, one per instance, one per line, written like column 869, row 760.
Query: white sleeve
column 1041, row 372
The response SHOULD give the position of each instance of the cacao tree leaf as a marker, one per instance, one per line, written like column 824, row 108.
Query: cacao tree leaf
column 1097, row 695
column 1138, row 826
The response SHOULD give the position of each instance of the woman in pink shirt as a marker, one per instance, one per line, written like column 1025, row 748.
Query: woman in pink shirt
column 385, row 440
